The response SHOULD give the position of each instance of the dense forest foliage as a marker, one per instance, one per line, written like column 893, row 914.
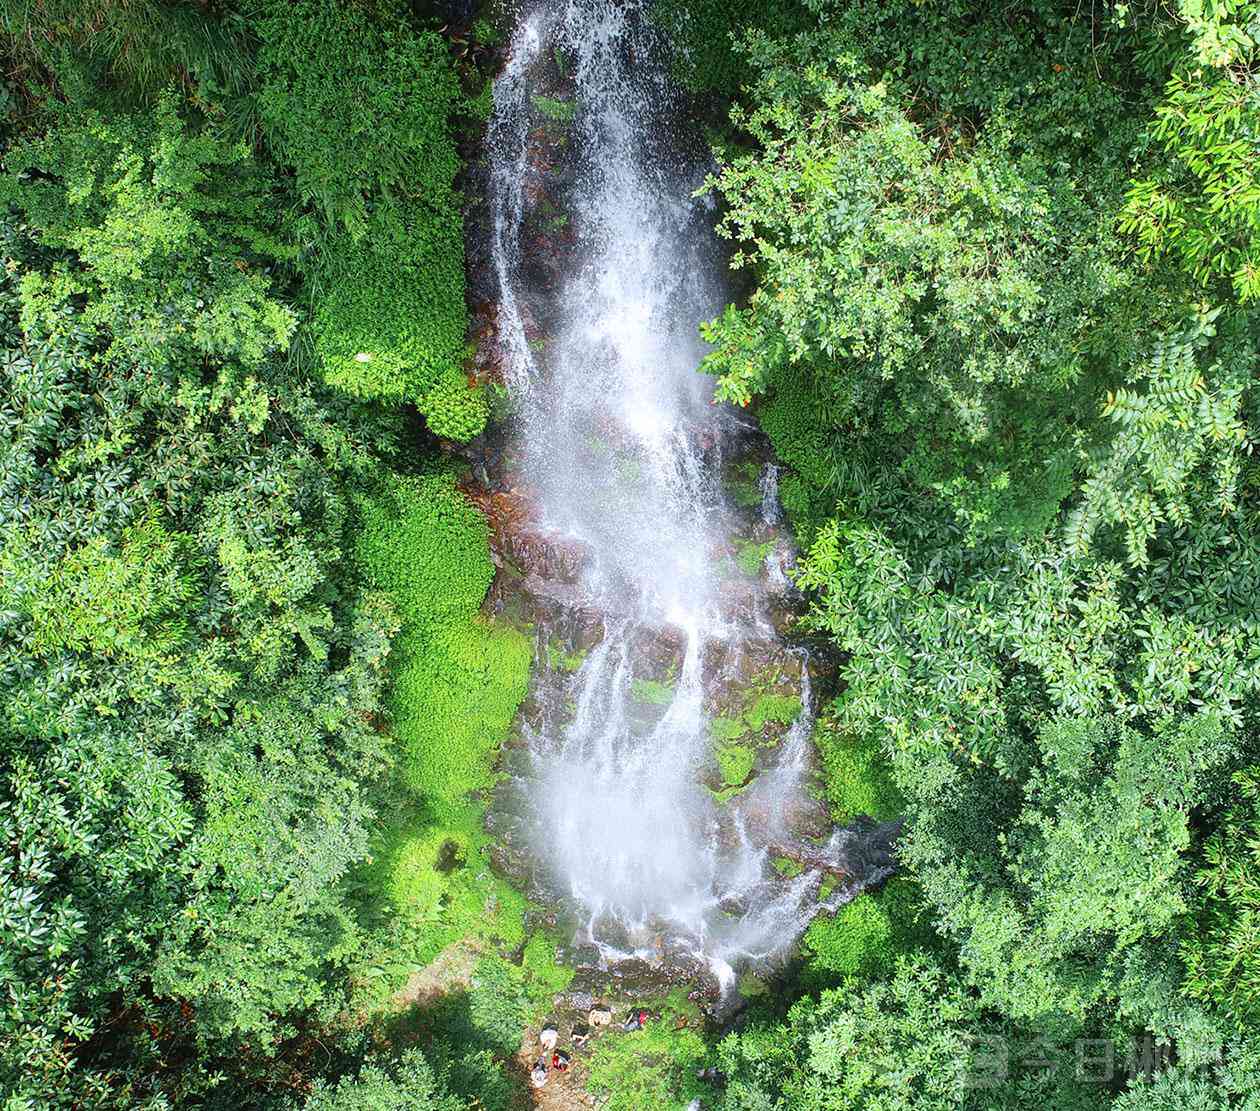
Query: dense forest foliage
column 246, row 685
column 1000, row 322
column 1003, row 327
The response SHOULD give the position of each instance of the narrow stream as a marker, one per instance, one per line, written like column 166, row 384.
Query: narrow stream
column 622, row 449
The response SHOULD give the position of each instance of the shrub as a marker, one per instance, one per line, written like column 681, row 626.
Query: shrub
column 456, row 690
column 864, row 938
column 360, row 108
column 140, row 199
column 139, row 48
column 798, row 427
column 654, row 1067
column 918, row 1039
column 705, row 32
column 427, row 545
column 499, row 1007
column 408, row 1084
column 388, row 312
column 1222, row 948
column 454, row 409
column 356, row 104
column 858, row 779
column 545, row 977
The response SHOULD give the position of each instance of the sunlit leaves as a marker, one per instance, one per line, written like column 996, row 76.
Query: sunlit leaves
column 1222, row 950
column 935, row 297
column 1175, row 452
column 1202, row 205
column 168, row 227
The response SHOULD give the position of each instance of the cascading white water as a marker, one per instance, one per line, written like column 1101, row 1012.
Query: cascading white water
column 620, row 441
column 508, row 126
column 770, row 512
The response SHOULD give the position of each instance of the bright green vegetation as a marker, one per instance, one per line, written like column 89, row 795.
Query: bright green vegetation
column 560, row 660
column 735, row 739
column 557, row 111
column 652, row 692
column 544, row 977
column 246, row 695
column 654, row 1067
column 864, row 938
column 858, row 778
column 456, row 685
column 782, row 709
column 735, row 762
column 766, row 708
column 360, row 107
column 751, row 555
column 787, row 867
column 743, row 485
column 725, row 730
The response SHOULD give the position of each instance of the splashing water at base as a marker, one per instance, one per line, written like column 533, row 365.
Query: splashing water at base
column 621, row 443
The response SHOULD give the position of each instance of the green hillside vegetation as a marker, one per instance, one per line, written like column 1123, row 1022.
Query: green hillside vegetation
column 1001, row 328
column 248, row 696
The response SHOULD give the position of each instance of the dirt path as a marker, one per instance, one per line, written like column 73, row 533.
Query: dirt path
column 449, row 971
column 564, row 1091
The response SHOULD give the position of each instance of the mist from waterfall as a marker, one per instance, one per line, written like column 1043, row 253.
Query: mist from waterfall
column 621, row 442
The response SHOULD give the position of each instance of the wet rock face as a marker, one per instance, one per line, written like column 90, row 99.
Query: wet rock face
column 621, row 988
column 517, row 540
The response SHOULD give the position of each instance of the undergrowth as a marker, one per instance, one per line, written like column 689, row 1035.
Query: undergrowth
column 457, row 681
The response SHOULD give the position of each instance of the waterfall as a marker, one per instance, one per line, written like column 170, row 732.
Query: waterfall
column 508, row 140
column 619, row 442
column 770, row 512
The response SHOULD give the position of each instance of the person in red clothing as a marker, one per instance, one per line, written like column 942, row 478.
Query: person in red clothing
column 637, row 1021
column 560, row 1061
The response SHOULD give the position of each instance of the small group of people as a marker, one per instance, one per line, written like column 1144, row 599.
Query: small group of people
column 553, row 1059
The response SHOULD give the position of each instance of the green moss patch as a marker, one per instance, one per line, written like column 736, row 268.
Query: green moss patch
column 780, row 708
column 744, row 484
column 787, row 867
column 750, row 556
column 558, row 659
column 724, row 730
column 735, row 762
column 556, row 111
column 736, row 739
column 652, row 691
